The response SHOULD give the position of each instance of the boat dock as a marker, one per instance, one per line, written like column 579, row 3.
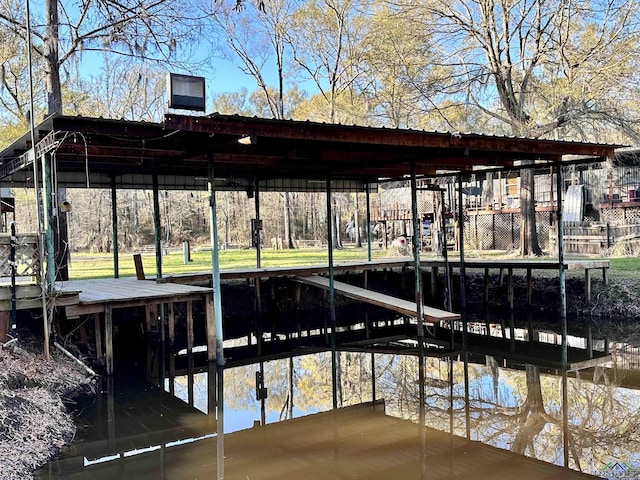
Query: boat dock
column 99, row 297
column 399, row 305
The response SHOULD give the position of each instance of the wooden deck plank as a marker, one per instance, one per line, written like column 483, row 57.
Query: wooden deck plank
column 87, row 296
column 117, row 290
column 404, row 307
column 380, row 264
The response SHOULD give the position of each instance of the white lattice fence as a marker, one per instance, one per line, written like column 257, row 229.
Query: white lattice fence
column 614, row 216
column 26, row 255
column 632, row 215
column 543, row 228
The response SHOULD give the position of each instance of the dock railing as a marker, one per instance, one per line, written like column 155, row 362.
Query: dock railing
column 26, row 256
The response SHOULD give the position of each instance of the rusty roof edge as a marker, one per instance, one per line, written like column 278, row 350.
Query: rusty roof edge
column 454, row 139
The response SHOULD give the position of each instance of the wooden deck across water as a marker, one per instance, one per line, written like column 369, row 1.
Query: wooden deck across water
column 403, row 307
column 99, row 297
column 86, row 296
column 94, row 294
column 432, row 265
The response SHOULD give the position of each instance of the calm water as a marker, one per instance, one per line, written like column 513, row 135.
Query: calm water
column 485, row 416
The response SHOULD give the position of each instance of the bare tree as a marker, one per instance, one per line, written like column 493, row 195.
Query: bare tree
column 536, row 67
column 153, row 29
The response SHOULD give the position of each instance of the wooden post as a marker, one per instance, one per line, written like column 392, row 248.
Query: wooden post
column 4, row 326
column 161, row 321
column 108, row 336
column 486, row 285
column 190, row 380
column 211, row 329
column 298, row 292
column 151, row 313
column 172, row 323
column 529, row 287
column 98, row 329
column 587, row 286
column 434, row 278
column 189, row 326
column 510, row 286
column 137, row 262
column 111, row 414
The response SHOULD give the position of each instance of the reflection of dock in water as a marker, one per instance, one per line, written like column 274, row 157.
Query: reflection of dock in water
column 354, row 442
column 127, row 421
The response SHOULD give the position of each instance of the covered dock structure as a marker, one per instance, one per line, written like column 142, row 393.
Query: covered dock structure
column 229, row 152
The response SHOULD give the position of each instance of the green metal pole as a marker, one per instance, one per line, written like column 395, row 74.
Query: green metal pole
column 217, row 315
column 332, row 303
column 368, row 222
column 114, row 222
column 215, row 264
column 40, row 213
column 48, row 232
column 418, row 291
column 156, row 227
column 256, row 193
column 561, row 273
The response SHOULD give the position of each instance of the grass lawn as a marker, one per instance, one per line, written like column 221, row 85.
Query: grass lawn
column 89, row 265
column 626, row 264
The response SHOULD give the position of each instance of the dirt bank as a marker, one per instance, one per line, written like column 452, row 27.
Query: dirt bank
column 34, row 423
column 618, row 299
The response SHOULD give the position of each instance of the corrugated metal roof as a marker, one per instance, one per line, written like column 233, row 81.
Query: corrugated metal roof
column 246, row 148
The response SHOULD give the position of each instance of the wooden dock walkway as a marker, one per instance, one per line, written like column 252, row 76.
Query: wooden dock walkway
column 509, row 265
column 94, row 294
column 404, row 307
column 99, row 297
column 432, row 265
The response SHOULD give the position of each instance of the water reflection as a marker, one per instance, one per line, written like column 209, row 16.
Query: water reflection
column 278, row 421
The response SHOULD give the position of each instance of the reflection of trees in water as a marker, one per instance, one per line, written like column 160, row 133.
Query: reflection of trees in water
column 520, row 410
column 603, row 421
column 600, row 428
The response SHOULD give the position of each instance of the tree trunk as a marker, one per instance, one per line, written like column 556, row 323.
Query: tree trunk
column 54, row 105
column 335, row 224
column 533, row 409
column 288, row 235
column 529, row 244
column 51, row 59
column 487, row 192
column 356, row 222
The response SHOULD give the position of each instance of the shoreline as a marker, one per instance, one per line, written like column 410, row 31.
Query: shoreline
column 35, row 423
